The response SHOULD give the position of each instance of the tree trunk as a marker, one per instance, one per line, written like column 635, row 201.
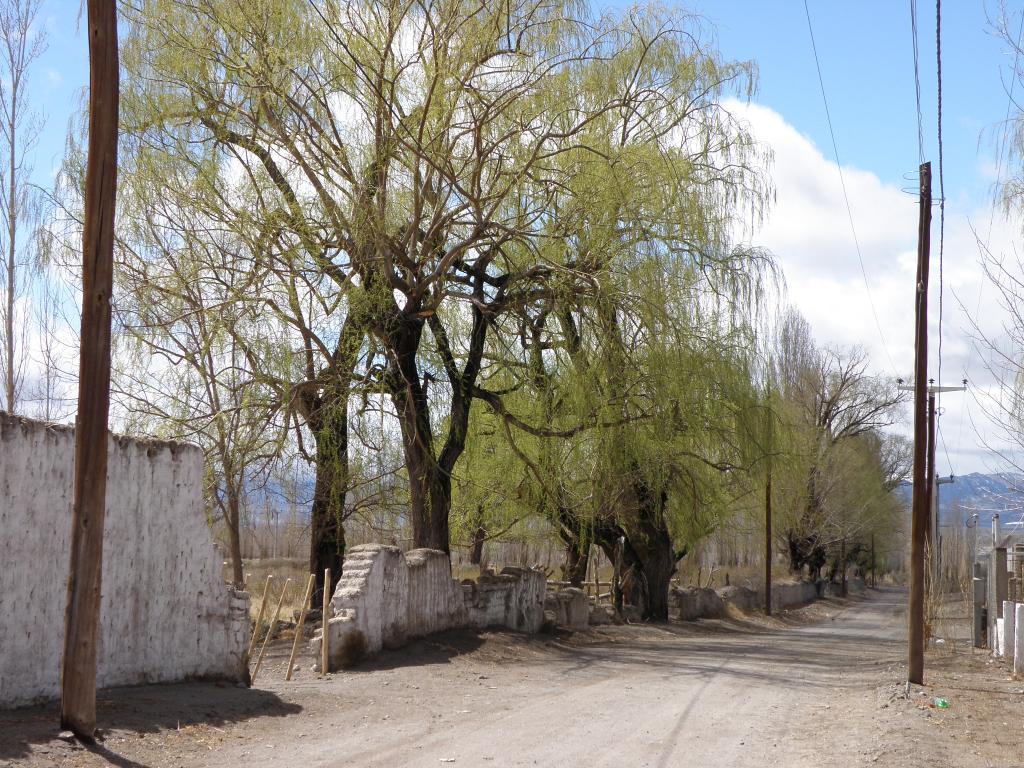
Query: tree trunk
column 577, row 540
column 649, row 537
column 646, row 560
column 430, row 474
column 429, row 488
column 476, row 554
column 327, row 516
column 234, row 541
column 327, row 417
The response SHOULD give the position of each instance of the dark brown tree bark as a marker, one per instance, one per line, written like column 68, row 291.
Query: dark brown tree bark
column 577, row 538
column 476, row 553
column 641, row 548
column 430, row 473
column 327, row 417
column 327, row 526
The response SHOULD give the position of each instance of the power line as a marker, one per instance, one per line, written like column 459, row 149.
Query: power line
column 917, row 81
column 846, row 197
column 942, row 187
column 942, row 199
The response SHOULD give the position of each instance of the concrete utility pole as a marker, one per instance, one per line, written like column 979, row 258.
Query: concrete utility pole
column 82, row 614
column 919, row 514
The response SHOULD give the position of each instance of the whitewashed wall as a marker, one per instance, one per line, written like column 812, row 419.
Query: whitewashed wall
column 167, row 614
column 386, row 597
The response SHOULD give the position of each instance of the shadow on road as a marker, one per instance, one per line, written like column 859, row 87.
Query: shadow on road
column 136, row 711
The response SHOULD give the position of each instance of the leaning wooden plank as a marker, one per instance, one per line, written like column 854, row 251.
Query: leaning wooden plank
column 259, row 617
column 270, row 630
column 302, row 622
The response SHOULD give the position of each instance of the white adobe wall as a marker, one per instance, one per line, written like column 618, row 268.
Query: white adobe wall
column 385, row 597
column 167, row 614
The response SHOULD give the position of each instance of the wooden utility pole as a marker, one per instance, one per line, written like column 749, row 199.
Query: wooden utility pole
column 919, row 514
column 82, row 614
column 768, row 544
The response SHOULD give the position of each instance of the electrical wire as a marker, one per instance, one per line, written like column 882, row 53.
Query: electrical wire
column 942, row 185
column 942, row 203
column 846, row 197
column 917, row 81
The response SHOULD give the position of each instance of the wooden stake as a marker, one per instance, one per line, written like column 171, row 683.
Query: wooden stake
column 259, row 616
column 270, row 630
column 82, row 609
column 325, row 643
column 919, row 515
column 302, row 622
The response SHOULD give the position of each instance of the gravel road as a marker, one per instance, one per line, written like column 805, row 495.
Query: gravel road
column 730, row 693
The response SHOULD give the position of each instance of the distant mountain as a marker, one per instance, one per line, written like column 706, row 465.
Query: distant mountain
column 985, row 495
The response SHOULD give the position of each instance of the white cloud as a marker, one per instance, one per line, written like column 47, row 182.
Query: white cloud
column 808, row 230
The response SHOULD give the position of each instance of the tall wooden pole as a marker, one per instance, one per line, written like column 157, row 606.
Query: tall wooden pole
column 768, row 544
column 919, row 514
column 82, row 614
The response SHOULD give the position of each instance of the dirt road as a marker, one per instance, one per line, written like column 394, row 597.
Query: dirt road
column 711, row 694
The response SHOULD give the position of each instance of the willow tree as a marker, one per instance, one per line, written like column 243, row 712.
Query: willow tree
column 836, row 411
column 635, row 360
column 402, row 168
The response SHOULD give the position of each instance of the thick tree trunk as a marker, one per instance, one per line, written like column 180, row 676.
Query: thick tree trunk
column 577, row 540
column 327, row 537
column 430, row 474
column 327, row 516
column 645, row 560
column 429, row 487
column 327, row 417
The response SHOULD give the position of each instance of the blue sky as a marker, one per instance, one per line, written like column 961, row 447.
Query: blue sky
column 866, row 60
column 865, row 51
column 866, row 56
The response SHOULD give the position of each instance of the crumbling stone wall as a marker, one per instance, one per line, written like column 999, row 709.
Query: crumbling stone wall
column 166, row 613
column 690, row 603
column 570, row 608
column 385, row 598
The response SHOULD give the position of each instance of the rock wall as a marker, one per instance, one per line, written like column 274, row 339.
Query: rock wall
column 570, row 608
column 788, row 594
column 690, row 603
column 385, row 598
column 166, row 613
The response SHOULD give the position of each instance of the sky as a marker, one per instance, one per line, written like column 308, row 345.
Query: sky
column 865, row 51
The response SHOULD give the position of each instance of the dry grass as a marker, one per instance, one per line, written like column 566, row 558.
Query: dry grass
column 282, row 569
